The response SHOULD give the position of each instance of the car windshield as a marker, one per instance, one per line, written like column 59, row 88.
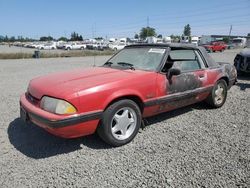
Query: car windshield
column 137, row 58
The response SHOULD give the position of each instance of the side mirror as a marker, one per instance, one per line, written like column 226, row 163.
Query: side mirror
column 173, row 72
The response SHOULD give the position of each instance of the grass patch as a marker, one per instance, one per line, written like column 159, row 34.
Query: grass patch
column 51, row 54
column 15, row 55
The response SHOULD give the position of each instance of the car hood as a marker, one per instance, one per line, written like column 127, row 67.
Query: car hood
column 69, row 83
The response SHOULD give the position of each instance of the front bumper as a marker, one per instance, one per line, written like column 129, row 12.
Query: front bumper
column 67, row 126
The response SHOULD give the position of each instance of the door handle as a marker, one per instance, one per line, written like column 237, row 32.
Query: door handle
column 201, row 76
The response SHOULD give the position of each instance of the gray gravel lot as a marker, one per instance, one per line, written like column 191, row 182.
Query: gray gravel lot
column 190, row 147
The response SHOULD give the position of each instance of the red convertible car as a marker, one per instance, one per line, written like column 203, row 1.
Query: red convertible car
column 137, row 82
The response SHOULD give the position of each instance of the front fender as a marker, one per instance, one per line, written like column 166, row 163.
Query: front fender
column 120, row 94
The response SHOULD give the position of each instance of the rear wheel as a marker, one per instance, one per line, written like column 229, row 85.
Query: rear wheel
column 218, row 95
column 120, row 123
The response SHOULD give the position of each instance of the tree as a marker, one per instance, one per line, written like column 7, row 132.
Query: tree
column 147, row 32
column 248, row 34
column 76, row 37
column 226, row 40
column 12, row 39
column 48, row 38
column 136, row 36
column 187, row 30
column 63, row 39
column 99, row 38
column 6, row 39
column 175, row 38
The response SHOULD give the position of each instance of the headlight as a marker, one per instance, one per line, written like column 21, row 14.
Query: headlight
column 57, row 106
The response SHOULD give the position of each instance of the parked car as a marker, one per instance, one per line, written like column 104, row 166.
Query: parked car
column 137, row 82
column 48, row 46
column 239, row 42
column 75, row 46
column 102, row 46
column 215, row 46
column 117, row 46
column 61, row 44
column 92, row 46
column 242, row 61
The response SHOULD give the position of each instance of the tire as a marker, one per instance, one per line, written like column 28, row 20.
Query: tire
column 68, row 48
column 115, row 133
column 218, row 95
column 115, row 49
column 82, row 48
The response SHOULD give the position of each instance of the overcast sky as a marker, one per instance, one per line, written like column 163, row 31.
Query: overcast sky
column 122, row 18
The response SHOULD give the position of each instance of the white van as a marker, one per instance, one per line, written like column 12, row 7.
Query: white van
column 195, row 40
column 239, row 42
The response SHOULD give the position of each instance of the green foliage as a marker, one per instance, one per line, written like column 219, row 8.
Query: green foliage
column 175, row 38
column 147, row 32
column 187, row 30
column 76, row 37
column 63, row 39
column 44, row 38
column 226, row 40
column 98, row 38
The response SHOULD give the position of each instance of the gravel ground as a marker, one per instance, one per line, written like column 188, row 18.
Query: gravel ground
column 190, row 147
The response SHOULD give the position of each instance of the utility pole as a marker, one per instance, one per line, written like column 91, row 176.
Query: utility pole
column 230, row 30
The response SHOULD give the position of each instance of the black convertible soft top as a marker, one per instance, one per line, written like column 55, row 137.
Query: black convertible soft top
column 210, row 61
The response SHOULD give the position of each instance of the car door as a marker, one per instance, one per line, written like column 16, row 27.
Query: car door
column 185, row 88
column 216, row 46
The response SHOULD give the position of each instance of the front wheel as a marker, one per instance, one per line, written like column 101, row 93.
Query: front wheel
column 120, row 123
column 218, row 95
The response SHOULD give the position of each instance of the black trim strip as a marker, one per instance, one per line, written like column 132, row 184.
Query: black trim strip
column 178, row 96
column 68, row 121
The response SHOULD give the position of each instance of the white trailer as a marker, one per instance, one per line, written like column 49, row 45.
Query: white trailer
column 239, row 42
column 195, row 40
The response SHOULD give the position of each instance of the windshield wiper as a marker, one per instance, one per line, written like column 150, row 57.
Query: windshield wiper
column 131, row 66
column 108, row 63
